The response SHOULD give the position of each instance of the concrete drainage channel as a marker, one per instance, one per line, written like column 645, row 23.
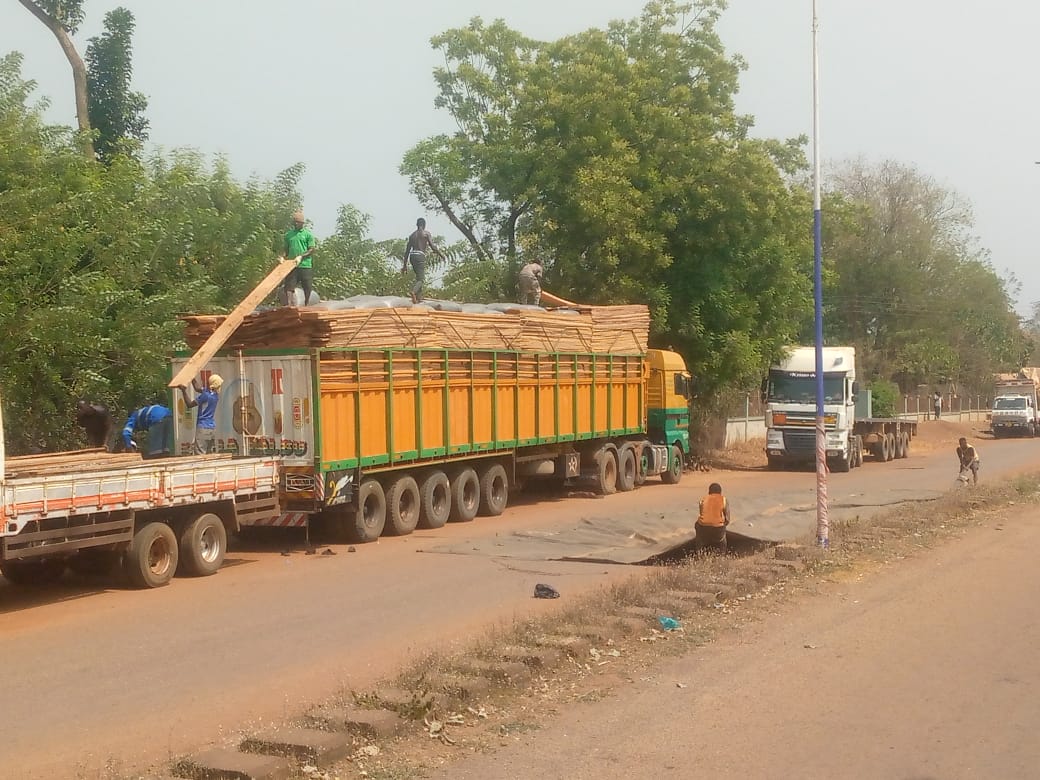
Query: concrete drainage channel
column 354, row 731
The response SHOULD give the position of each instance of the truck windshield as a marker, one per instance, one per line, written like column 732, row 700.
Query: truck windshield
column 1010, row 403
column 801, row 388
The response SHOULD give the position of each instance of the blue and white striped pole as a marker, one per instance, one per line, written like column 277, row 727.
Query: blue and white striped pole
column 823, row 525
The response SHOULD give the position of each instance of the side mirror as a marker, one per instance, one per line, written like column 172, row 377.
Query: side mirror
column 855, row 388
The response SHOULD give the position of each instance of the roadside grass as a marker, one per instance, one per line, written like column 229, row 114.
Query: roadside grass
column 746, row 588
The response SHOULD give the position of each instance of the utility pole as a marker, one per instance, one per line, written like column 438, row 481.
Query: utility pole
column 823, row 525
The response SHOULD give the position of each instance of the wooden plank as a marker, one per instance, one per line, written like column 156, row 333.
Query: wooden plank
column 233, row 320
column 548, row 297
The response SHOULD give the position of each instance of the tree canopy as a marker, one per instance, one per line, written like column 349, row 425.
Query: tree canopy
column 617, row 156
column 116, row 111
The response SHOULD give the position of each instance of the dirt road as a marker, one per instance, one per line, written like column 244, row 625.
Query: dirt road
column 928, row 669
column 92, row 675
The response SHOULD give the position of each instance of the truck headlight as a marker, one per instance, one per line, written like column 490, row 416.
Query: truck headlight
column 774, row 438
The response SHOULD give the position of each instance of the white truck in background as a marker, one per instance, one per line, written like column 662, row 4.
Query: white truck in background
column 1014, row 408
column 789, row 393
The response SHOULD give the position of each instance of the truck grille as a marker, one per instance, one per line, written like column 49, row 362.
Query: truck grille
column 800, row 441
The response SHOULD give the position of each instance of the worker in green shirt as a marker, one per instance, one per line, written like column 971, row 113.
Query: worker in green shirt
column 299, row 242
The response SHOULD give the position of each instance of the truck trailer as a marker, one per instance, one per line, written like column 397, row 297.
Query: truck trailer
column 379, row 440
column 94, row 511
column 790, row 396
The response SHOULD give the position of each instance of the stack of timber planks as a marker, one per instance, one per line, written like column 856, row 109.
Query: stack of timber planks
column 622, row 330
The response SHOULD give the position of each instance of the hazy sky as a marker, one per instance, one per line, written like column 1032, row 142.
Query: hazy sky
column 947, row 85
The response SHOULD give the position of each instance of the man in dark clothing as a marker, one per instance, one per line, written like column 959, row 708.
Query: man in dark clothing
column 96, row 421
column 419, row 243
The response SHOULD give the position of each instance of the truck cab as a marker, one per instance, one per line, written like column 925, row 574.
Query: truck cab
column 789, row 392
column 1014, row 409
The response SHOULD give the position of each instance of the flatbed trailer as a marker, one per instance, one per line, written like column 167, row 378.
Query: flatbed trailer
column 886, row 438
column 91, row 510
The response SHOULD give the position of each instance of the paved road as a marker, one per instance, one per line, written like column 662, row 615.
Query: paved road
column 928, row 669
column 138, row 676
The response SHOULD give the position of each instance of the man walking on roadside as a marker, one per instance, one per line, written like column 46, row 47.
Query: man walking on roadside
column 937, row 404
column 969, row 460
column 205, row 424
column 299, row 242
column 419, row 243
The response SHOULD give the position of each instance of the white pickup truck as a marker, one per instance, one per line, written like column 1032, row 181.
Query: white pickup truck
column 91, row 511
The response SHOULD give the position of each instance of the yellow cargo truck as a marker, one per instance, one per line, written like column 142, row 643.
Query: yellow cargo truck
column 382, row 440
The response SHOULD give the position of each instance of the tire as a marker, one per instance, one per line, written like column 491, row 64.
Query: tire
column 627, row 469
column 33, row 572
column 152, row 558
column 886, row 448
column 859, row 451
column 434, row 500
column 893, row 447
column 494, row 490
column 905, row 446
column 606, row 473
column 842, row 465
column 203, row 546
column 402, row 506
column 368, row 522
column 465, row 496
column 642, row 465
column 675, row 466
column 898, row 449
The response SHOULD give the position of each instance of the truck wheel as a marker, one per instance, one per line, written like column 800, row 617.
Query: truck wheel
column 905, row 447
column 627, row 469
column 38, row 572
column 606, row 474
column 841, row 465
column 642, row 465
column 893, row 446
column 859, row 451
column 370, row 519
column 402, row 506
column 465, row 496
column 897, row 450
column 434, row 500
column 886, row 448
column 203, row 546
column 675, row 466
column 152, row 558
column 494, row 490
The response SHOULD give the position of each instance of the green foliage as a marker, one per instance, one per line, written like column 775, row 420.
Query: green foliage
column 884, row 398
column 616, row 156
column 68, row 13
column 909, row 286
column 96, row 262
column 116, row 111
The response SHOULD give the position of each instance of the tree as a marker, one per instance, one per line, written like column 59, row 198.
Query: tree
column 616, row 156
column 97, row 261
column 116, row 112
column 63, row 18
column 908, row 283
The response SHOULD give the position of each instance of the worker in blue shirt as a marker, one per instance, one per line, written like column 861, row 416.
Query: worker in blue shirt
column 206, row 423
column 156, row 420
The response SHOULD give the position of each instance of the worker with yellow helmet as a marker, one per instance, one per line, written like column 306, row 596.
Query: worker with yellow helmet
column 206, row 422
